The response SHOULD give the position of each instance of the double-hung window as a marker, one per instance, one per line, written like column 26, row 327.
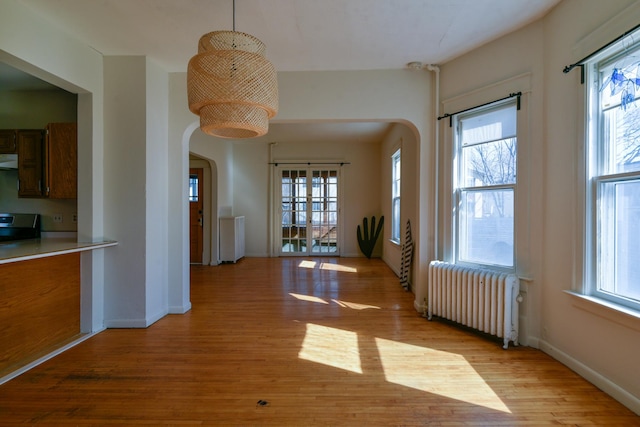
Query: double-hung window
column 613, row 175
column 395, row 196
column 485, row 183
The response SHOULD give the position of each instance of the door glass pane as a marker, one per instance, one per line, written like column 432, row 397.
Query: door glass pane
column 193, row 187
column 324, row 211
column 294, row 210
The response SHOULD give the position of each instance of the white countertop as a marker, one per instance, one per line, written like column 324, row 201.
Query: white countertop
column 22, row 250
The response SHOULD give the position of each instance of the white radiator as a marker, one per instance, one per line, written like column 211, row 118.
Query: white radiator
column 480, row 299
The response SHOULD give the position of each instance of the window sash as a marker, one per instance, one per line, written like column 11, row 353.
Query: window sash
column 396, row 173
column 613, row 178
column 486, row 226
column 485, row 178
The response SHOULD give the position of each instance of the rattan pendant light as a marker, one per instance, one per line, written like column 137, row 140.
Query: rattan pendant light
column 231, row 85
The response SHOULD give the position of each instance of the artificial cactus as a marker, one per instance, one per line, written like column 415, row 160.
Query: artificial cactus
column 367, row 242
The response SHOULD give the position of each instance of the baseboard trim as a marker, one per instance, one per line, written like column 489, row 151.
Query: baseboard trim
column 612, row 389
column 180, row 309
column 134, row 323
column 420, row 307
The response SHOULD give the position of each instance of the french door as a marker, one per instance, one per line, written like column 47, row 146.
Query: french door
column 309, row 211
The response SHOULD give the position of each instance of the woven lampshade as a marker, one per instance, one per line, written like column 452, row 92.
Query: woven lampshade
column 232, row 86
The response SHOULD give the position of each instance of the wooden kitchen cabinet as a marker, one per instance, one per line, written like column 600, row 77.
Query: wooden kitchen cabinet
column 61, row 161
column 8, row 141
column 48, row 162
column 30, row 163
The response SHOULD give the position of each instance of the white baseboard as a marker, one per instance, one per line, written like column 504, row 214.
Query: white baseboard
column 612, row 389
column 134, row 323
column 180, row 309
column 420, row 307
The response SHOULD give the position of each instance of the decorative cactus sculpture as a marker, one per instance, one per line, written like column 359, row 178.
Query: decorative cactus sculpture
column 367, row 242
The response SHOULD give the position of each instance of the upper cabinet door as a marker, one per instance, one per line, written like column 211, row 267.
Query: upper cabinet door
column 30, row 164
column 61, row 161
column 8, row 143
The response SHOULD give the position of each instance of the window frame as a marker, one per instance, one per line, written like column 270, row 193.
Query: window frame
column 599, row 172
column 459, row 189
column 396, row 194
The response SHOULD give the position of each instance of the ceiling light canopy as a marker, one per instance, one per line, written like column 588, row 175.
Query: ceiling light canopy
column 231, row 85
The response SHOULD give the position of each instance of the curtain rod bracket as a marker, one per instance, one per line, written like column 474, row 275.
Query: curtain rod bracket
column 511, row 95
column 580, row 63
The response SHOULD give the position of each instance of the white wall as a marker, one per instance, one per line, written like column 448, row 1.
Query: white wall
column 249, row 193
column 402, row 137
column 136, row 111
column 388, row 95
column 360, row 193
column 126, row 189
column 157, row 196
column 598, row 343
column 550, row 250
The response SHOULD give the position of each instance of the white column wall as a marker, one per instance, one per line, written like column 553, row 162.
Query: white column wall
column 157, row 196
column 125, row 190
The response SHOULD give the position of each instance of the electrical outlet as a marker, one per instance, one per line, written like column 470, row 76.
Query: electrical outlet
column 57, row 217
column 74, row 218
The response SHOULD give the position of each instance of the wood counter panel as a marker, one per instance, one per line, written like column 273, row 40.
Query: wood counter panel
column 39, row 307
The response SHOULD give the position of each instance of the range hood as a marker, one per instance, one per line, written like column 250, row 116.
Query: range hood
column 8, row 161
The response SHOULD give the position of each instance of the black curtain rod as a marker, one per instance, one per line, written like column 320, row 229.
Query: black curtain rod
column 310, row 163
column 511, row 95
column 580, row 63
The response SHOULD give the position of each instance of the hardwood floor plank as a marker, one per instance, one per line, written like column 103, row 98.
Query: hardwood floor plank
column 320, row 342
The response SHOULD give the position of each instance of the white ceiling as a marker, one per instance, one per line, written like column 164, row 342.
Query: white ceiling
column 300, row 35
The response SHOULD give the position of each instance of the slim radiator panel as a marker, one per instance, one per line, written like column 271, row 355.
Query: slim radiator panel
column 480, row 299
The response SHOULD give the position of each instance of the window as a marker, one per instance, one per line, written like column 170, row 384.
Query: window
column 395, row 196
column 613, row 175
column 193, row 187
column 485, row 182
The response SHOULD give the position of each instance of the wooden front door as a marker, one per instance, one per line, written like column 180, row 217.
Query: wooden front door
column 195, row 215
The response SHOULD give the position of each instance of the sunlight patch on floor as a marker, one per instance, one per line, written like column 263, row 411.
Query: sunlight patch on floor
column 309, row 298
column 437, row 372
column 332, row 347
column 421, row 368
column 338, row 267
column 354, row 305
column 307, row 264
column 345, row 304
column 327, row 266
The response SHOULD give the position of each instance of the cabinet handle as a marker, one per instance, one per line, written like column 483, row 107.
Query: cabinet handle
column 39, row 185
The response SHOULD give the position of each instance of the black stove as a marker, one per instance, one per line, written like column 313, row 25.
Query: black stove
column 15, row 226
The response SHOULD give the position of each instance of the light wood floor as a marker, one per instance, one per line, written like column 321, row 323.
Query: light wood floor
column 303, row 342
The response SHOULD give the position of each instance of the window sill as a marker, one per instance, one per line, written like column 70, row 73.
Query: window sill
column 610, row 311
column 394, row 242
